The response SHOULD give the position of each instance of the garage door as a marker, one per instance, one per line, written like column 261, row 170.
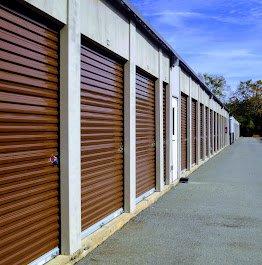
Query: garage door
column 101, row 136
column 164, row 129
column 183, row 131
column 207, row 132
column 194, row 131
column 214, row 135
column 29, row 183
column 201, row 131
column 217, row 136
column 145, row 134
column 211, row 132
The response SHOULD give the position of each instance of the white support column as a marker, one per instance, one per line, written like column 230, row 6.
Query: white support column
column 189, row 120
column 130, row 124
column 176, row 92
column 159, row 126
column 169, row 125
column 70, row 134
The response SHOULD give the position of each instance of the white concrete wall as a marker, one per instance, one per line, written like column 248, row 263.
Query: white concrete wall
column 194, row 90
column 103, row 24
column 184, row 83
column 166, row 68
column 54, row 8
column 147, row 55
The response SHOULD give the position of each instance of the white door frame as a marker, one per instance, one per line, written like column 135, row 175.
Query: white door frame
column 174, row 137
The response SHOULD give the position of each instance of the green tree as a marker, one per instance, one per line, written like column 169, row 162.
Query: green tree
column 217, row 84
column 246, row 106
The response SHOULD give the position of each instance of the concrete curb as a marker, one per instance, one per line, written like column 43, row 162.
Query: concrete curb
column 91, row 242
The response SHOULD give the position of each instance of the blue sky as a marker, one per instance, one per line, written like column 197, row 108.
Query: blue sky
column 214, row 36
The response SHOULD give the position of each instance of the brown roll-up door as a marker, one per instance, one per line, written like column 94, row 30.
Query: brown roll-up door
column 164, row 129
column 217, row 136
column 201, row 131
column 214, row 134
column 29, row 183
column 211, row 131
column 207, row 133
column 101, row 135
column 219, row 130
column 145, row 134
column 183, row 131
column 194, row 131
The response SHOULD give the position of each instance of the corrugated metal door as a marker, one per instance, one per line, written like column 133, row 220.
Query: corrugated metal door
column 201, row 131
column 164, row 129
column 207, row 133
column 214, row 135
column 211, row 132
column 101, row 135
column 194, row 131
column 29, row 183
column 217, row 136
column 145, row 134
column 183, row 131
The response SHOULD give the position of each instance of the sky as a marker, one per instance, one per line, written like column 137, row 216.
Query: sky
column 221, row 37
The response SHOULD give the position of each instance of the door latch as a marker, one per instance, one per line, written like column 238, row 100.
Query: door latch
column 54, row 160
column 121, row 149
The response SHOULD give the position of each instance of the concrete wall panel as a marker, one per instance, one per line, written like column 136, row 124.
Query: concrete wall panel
column 105, row 25
column 165, row 68
column 184, row 82
column 147, row 55
column 56, row 9
column 194, row 90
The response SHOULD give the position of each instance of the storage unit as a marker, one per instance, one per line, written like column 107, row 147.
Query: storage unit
column 145, row 134
column 81, row 122
column 164, row 130
column 29, row 120
column 194, row 131
column 101, row 135
column 184, row 126
column 202, row 131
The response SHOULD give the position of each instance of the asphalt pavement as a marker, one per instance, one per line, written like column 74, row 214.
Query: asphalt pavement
column 216, row 218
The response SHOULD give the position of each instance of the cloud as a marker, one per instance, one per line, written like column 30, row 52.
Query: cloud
column 215, row 36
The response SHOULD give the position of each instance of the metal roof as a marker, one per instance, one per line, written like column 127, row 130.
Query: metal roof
column 136, row 16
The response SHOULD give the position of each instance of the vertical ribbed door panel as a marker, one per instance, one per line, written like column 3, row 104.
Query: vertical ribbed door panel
column 29, row 183
column 217, row 135
column 101, row 136
column 214, row 131
column 184, row 127
column 194, row 131
column 164, row 130
column 201, row 131
column 211, row 132
column 207, row 131
column 145, row 134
